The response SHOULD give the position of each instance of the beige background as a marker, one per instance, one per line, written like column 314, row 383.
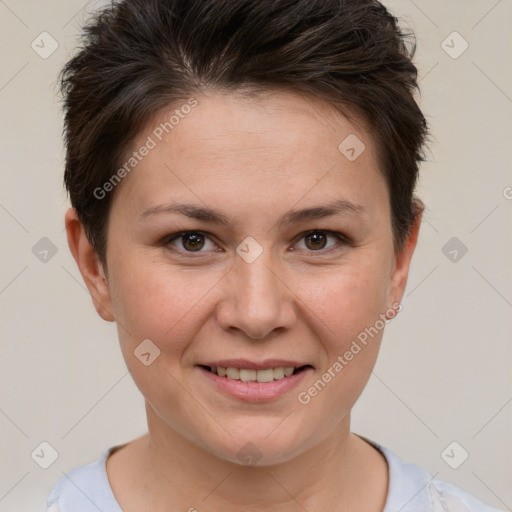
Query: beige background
column 444, row 371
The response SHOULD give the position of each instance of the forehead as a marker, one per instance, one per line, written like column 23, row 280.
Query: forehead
column 279, row 120
column 269, row 145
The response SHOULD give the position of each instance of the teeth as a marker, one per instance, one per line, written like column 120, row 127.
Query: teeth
column 232, row 373
column 265, row 375
column 279, row 373
column 248, row 375
column 245, row 375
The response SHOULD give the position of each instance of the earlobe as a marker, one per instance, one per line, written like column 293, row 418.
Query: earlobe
column 90, row 265
column 403, row 258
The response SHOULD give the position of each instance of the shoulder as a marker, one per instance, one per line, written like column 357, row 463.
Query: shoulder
column 414, row 489
column 84, row 488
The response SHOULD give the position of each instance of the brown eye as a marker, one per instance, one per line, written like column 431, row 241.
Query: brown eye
column 191, row 241
column 317, row 240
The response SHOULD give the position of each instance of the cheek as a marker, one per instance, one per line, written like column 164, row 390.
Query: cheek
column 153, row 300
column 349, row 304
column 348, row 299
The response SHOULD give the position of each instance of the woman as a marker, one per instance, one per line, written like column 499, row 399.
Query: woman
column 242, row 183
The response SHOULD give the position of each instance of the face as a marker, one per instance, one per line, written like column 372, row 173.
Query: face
column 240, row 279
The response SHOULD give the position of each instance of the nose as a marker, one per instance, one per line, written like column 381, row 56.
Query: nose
column 256, row 298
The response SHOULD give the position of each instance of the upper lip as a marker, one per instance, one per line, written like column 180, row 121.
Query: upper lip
column 254, row 365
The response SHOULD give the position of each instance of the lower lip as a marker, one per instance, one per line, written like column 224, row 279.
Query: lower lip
column 254, row 391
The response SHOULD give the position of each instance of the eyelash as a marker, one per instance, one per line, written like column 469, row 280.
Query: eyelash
column 342, row 240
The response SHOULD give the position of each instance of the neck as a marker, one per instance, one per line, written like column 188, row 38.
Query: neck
column 342, row 472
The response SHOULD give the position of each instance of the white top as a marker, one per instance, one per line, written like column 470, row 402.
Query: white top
column 411, row 489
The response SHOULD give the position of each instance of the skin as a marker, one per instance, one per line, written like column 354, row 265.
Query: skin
column 253, row 159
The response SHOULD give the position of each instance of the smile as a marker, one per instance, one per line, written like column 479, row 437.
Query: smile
column 254, row 382
column 251, row 375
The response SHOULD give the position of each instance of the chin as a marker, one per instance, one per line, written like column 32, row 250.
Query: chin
column 260, row 445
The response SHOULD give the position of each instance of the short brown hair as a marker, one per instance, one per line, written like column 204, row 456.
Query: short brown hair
column 139, row 56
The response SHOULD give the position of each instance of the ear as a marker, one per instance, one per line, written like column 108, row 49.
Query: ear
column 403, row 258
column 89, row 265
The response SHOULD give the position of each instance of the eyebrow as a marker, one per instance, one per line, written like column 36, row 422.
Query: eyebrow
column 206, row 214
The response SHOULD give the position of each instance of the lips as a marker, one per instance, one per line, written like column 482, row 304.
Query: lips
column 254, row 381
